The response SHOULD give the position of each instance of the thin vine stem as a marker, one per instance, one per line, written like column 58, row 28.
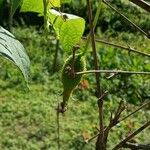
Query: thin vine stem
column 113, row 71
column 123, row 16
column 58, row 127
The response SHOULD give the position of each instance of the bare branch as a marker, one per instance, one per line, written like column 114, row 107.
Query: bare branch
column 123, row 16
column 97, row 75
column 143, row 4
column 103, row 95
column 130, row 49
column 131, row 136
column 114, row 120
column 144, row 105
column 136, row 146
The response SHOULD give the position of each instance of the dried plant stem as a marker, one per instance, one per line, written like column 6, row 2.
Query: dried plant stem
column 144, row 105
column 114, row 121
column 135, row 146
column 114, row 71
column 143, row 4
column 123, row 16
column 128, row 48
column 131, row 136
column 99, row 143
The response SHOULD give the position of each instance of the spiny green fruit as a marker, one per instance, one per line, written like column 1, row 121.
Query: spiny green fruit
column 69, row 81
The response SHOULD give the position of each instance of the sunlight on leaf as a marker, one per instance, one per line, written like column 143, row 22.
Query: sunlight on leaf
column 13, row 50
column 37, row 5
column 69, row 28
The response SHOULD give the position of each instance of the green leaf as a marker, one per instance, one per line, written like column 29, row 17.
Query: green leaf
column 32, row 6
column 54, row 3
column 69, row 28
column 65, row 1
column 37, row 5
column 13, row 50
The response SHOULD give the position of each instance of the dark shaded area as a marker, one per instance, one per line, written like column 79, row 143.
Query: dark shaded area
column 108, row 21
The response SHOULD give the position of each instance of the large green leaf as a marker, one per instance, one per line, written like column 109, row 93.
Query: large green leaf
column 69, row 28
column 13, row 50
column 37, row 5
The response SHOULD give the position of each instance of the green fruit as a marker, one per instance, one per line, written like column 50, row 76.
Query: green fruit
column 69, row 80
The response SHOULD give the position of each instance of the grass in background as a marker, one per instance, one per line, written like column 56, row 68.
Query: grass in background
column 28, row 117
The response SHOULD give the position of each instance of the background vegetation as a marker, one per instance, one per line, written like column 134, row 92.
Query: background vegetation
column 28, row 115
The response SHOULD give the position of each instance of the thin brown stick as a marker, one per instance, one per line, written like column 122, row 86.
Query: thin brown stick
column 103, row 95
column 136, row 146
column 99, row 143
column 114, row 71
column 129, row 49
column 119, row 145
column 143, row 4
column 144, row 105
column 92, row 138
column 114, row 122
column 123, row 16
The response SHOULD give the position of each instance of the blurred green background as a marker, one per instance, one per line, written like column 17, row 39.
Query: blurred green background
column 28, row 113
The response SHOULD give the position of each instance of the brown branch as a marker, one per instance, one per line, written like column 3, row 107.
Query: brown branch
column 136, row 146
column 131, row 136
column 103, row 95
column 99, row 143
column 130, row 49
column 124, row 17
column 92, row 138
column 114, row 121
column 143, row 4
column 144, row 105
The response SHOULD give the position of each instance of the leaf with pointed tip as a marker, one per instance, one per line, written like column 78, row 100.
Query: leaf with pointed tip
column 13, row 50
column 69, row 28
